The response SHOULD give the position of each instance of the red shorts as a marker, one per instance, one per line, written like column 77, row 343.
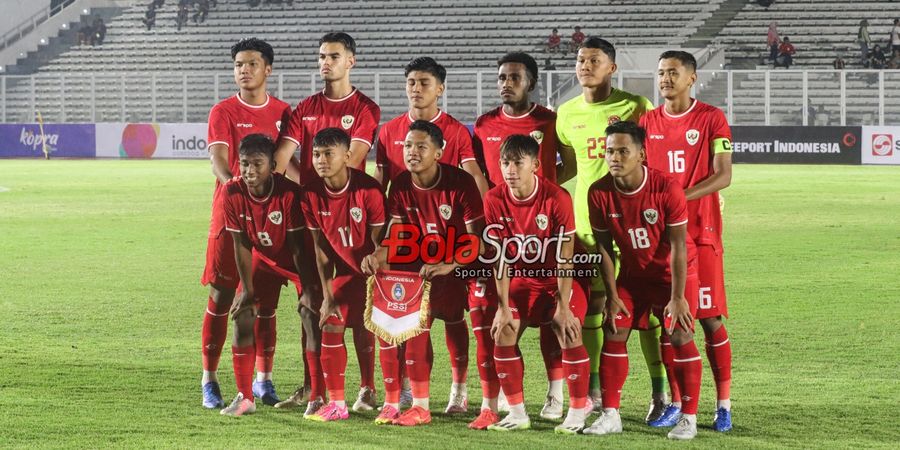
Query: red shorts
column 220, row 270
column 448, row 298
column 349, row 292
column 711, row 294
column 535, row 304
column 483, row 294
column 267, row 283
column 643, row 297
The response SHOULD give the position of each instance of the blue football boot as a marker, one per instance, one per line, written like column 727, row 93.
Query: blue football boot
column 722, row 422
column 265, row 391
column 212, row 396
column 668, row 418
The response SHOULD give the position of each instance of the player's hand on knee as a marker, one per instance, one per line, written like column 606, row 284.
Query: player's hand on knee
column 242, row 302
column 680, row 312
column 566, row 325
column 614, row 307
column 329, row 308
column 502, row 319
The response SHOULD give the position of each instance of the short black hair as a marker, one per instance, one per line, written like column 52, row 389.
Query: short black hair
column 437, row 137
column 340, row 37
column 684, row 57
column 526, row 60
column 638, row 134
column 601, row 44
column 426, row 64
column 787, row 39
column 254, row 44
column 331, row 137
column 518, row 146
column 253, row 144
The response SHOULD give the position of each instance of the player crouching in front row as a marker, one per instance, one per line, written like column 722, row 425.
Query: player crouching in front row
column 262, row 213
column 646, row 214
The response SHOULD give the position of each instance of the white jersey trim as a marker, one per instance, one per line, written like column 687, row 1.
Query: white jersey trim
column 678, row 116
column 533, row 107
column 266, row 103
column 643, row 183
column 338, row 100
column 678, row 223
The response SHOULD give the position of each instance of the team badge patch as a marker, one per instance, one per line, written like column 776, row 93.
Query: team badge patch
column 356, row 214
column 537, row 135
column 541, row 221
column 692, row 136
column 397, row 305
column 613, row 119
column 347, row 121
column 650, row 215
column 445, row 211
column 275, row 217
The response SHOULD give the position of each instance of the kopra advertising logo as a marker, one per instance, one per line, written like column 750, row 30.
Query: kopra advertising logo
column 882, row 145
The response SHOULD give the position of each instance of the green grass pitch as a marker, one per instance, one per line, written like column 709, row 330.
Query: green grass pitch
column 101, row 304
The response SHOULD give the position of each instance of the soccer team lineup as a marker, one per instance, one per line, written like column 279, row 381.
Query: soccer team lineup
column 470, row 229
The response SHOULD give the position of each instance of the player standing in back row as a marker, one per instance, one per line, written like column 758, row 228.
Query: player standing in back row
column 691, row 141
column 251, row 111
column 580, row 125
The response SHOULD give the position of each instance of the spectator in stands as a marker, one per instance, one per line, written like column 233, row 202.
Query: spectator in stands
column 878, row 58
column 182, row 17
column 862, row 37
column 577, row 39
column 894, row 63
column 202, row 10
column 838, row 63
column 548, row 64
column 150, row 16
column 773, row 40
column 84, row 34
column 98, row 33
column 786, row 53
column 158, row 3
column 895, row 36
column 553, row 41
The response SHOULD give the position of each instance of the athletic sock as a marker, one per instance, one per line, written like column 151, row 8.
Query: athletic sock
column 484, row 356
column 510, row 371
column 592, row 336
column 389, row 357
column 456, row 335
column 334, row 363
column 242, row 361
column 419, row 360
column 552, row 353
column 576, row 364
column 718, row 352
column 688, row 369
column 613, row 371
column 316, row 384
column 264, row 333
column 668, row 357
column 652, row 356
column 364, row 343
column 213, row 334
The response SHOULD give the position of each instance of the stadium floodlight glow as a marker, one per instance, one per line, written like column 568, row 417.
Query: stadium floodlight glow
column 21, row 54
column 43, row 41
column 65, row 26
column 84, row 11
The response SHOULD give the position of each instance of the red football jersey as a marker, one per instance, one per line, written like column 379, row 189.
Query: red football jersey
column 544, row 214
column 637, row 222
column 356, row 114
column 232, row 120
column 343, row 217
column 389, row 150
column 682, row 147
column 492, row 128
column 267, row 220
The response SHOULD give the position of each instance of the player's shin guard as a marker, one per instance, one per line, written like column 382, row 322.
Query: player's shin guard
column 575, row 361
column 316, row 382
column 242, row 360
column 264, row 333
column 389, row 356
column 484, row 353
column 552, row 353
column 653, row 358
column 510, row 371
column 457, row 337
column 718, row 351
column 419, row 359
column 613, row 371
column 592, row 336
column 334, row 363
column 688, row 369
column 668, row 357
column 213, row 334
column 364, row 342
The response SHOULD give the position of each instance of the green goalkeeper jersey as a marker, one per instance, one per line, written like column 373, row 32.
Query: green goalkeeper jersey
column 581, row 125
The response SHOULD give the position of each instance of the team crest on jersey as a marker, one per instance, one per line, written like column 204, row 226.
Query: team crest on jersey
column 541, row 221
column 275, row 217
column 356, row 214
column 537, row 135
column 398, row 292
column 347, row 121
column 650, row 215
column 613, row 119
column 445, row 211
column 692, row 136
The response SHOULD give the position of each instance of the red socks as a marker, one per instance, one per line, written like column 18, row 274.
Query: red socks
column 213, row 333
column 510, row 371
column 419, row 359
column 551, row 352
column 264, row 333
column 334, row 363
column 390, row 371
column 578, row 375
column 457, row 337
column 242, row 360
column 668, row 358
column 687, row 370
column 484, row 353
column 718, row 352
column 316, row 388
column 613, row 371
column 364, row 342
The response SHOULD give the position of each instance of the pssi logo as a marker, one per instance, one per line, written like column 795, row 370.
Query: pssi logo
column 882, row 145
